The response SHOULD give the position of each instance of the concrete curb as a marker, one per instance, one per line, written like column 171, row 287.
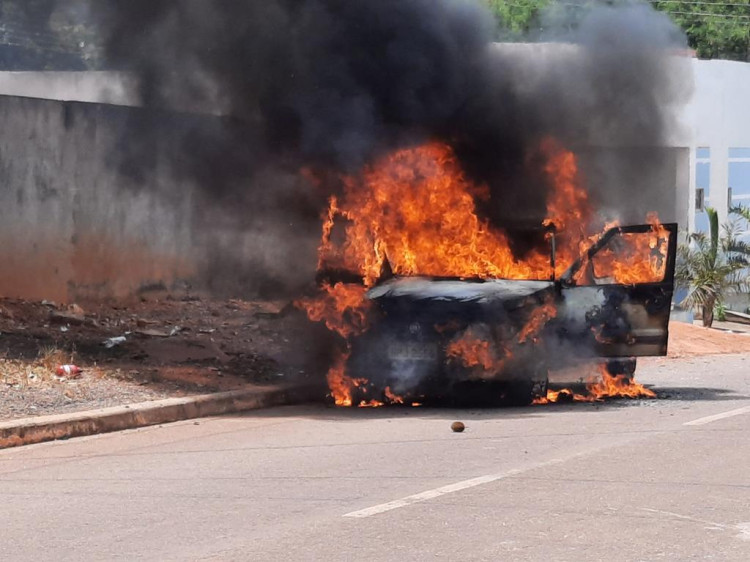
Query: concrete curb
column 28, row 431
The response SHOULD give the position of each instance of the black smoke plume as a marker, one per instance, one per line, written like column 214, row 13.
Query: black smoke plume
column 332, row 84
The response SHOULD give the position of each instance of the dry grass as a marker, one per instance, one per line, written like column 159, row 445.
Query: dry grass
column 33, row 388
column 37, row 373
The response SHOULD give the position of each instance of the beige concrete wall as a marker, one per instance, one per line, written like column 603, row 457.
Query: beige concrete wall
column 70, row 223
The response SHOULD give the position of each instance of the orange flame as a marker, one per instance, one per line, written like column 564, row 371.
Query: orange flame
column 628, row 265
column 472, row 351
column 339, row 383
column 568, row 206
column 617, row 386
column 393, row 398
column 564, row 395
column 604, row 387
column 343, row 308
column 538, row 319
column 371, row 404
column 417, row 209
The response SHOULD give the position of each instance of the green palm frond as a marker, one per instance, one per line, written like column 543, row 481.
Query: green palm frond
column 712, row 266
column 741, row 211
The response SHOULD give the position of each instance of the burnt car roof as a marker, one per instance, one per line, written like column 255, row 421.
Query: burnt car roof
column 457, row 290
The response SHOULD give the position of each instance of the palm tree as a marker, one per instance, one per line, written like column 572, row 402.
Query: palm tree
column 742, row 212
column 712, row 266
column 736, row 249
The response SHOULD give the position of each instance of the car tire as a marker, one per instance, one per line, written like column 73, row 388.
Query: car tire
column 625, row 366
column 520, row 393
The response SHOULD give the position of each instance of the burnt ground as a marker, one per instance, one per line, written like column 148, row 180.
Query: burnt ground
column 174, row 346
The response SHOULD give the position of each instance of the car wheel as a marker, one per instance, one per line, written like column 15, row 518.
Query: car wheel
column 520, row 393
column 625, row 367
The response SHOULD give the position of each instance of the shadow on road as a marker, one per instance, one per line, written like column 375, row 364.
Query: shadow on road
column 319, row 409
column 697, row 394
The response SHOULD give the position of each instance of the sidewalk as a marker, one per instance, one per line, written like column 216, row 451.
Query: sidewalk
column 27, row 431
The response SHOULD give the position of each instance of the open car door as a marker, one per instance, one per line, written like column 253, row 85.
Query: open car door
column 616, row 298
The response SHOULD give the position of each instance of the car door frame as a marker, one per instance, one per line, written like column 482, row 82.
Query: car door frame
column 616, row 319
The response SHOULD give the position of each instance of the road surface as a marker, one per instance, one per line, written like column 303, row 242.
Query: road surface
column 665, row 479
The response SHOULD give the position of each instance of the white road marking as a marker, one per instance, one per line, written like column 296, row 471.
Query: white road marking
column 449, row 489
column 743, row 528
column 709, row 524
column 729, row 414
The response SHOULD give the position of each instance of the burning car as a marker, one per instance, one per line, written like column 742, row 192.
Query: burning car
column 436, row 305
column 484, row 341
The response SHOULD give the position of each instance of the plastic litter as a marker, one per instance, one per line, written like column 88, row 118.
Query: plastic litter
column 112, row 342
column 69, row 371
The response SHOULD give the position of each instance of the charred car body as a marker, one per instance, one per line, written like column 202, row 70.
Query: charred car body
column 484, row 341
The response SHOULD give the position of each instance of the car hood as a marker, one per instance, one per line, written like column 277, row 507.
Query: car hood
column 457, row 290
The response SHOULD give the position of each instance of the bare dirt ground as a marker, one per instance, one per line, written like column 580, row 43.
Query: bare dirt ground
column 177, row 346
column 687, row 340
column 172, row 347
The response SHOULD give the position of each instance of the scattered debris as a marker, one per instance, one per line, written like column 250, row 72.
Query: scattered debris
column 194, row 349
column 68, row 371
column 58, row 317
column 112, row 342
column 160, row 333
column 76, row 310
column 273, row 309
column 153, row 333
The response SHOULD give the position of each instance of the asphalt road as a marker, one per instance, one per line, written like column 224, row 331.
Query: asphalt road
column 665, row 479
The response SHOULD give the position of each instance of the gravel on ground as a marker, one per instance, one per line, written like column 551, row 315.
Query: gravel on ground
column 145, row 349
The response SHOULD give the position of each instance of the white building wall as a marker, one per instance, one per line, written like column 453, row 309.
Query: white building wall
column 116, row 88
column 718, row 118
